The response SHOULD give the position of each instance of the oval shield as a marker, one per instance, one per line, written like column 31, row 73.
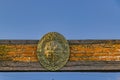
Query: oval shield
column 53, row 51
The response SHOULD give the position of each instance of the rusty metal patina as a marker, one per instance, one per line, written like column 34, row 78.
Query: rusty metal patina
column 53, row 51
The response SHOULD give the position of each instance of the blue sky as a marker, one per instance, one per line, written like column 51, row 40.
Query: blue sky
column 78, row 19
column 75, row 19
column 59, row 76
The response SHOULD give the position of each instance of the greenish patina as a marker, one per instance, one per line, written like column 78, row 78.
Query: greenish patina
column 53, row 51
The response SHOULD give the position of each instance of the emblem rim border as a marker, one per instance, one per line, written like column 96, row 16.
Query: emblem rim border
column 64, row 42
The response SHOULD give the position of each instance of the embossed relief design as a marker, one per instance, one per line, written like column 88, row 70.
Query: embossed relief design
column 53, row 51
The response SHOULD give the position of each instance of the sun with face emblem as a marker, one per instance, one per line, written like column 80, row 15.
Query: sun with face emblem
column 53, row 51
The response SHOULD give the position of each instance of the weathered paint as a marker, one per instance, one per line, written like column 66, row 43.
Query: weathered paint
column 78, row 52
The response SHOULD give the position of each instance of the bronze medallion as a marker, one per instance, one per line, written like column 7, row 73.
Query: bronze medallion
column 53, row 51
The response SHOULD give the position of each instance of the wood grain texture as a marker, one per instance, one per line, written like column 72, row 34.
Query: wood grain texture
column 85, row 55
column 74, row 66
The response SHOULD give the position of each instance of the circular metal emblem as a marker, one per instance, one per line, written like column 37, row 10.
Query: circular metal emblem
column 53, row 51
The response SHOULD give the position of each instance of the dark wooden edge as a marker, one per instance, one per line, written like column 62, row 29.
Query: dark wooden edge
column 81, row 66
column 61, row 71
column 18, row 41
column 76, row 42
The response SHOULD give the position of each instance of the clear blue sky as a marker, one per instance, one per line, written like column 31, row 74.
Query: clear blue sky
column 75, row 19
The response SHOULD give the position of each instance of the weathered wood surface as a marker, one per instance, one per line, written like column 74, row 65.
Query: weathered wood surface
column 74, row 66
column 86, row 55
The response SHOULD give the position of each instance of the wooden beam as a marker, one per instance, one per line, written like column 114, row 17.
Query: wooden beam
column 85, row 55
